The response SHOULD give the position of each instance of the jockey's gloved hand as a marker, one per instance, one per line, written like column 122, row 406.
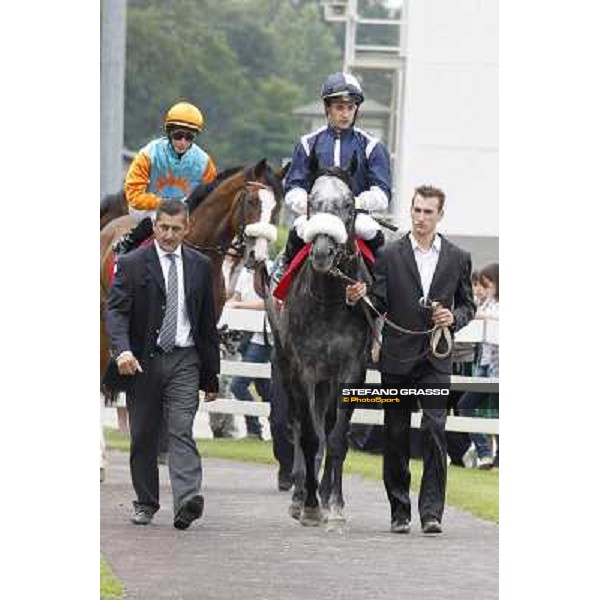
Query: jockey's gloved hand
column 297, row 200
column 373, row 199
column 366, row 227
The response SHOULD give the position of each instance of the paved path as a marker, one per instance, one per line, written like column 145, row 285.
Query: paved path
column 246, row 546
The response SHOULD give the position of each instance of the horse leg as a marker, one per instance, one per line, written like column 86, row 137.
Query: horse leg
column 337, row 447
column 309, row 440
column 298, row 474
column 327, row 480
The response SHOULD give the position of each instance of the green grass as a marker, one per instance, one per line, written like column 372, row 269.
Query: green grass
column 110, row 587
column 469, row 489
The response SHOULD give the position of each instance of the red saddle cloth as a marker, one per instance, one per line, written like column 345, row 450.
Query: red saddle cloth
column 112, row 259
column 283, row 287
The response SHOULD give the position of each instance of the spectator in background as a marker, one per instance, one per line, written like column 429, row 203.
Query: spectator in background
column 488, row 366
column 479, row 294
column 253, row 348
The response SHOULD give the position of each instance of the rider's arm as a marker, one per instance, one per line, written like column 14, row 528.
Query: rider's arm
column 376, row 198
column 137, row 182
column 210, row 171
column 296, row 196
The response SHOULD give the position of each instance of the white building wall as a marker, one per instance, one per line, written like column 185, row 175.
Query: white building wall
column 450, row 124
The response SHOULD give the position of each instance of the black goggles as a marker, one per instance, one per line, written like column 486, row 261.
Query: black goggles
column 180, row 134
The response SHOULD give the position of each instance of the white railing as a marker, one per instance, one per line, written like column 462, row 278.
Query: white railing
column 254, row 320
column 243, row 319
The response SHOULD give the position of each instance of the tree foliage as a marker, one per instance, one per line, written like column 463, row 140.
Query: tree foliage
column 246, row 63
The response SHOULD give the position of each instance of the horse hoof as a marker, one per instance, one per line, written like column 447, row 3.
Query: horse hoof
column 311, row 517
column 295, row 510
column 336, row 521
column 336, row 515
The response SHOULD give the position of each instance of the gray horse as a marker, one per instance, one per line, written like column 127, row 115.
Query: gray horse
column 321, row 342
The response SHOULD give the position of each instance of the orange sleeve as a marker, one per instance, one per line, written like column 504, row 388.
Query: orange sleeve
column 136, row 184
column 210, row 172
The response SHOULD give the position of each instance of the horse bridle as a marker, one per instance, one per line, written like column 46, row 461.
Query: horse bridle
column 436, row 333
column 238, row 243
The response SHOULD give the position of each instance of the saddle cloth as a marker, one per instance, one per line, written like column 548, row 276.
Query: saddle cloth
column 283, row 287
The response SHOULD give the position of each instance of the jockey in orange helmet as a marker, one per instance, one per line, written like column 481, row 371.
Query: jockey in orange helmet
column 169, row 167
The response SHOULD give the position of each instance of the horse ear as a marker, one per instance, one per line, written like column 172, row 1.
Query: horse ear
column 351, row 168
column 260, row 168
column 283, row 172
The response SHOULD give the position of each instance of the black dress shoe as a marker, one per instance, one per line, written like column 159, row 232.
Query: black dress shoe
column 284, row 482
column 142, row 515
column 432, row 526
column 189, row 512
column 400, row 526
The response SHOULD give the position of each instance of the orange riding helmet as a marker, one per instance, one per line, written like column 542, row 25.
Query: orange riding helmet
column 184, row 114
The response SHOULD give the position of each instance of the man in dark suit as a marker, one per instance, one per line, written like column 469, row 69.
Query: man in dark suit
column 162, row 325
column 420, row 268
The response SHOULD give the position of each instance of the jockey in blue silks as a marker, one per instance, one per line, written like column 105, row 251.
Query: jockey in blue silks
column 334, row 145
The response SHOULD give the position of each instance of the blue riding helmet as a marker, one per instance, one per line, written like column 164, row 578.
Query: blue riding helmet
column 342, row 85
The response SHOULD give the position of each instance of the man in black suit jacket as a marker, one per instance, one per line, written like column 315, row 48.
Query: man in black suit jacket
column 162, row 325
column 420, row 265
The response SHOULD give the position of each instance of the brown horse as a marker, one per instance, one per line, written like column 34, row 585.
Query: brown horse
column 242, row 207
column 112, row 207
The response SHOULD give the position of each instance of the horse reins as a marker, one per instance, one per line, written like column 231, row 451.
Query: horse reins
column 435, row 333
column 238, row 246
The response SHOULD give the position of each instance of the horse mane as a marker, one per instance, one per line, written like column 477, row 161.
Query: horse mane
column 338, row 172
column 111, row 200
column 204, row 189
column 274, row 182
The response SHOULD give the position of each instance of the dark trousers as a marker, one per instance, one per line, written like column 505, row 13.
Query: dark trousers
column 281, row 431
column 396, row 471
column 168, row 379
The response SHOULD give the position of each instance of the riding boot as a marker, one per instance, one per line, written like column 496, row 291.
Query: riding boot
column 293, row 245
column 134, row 237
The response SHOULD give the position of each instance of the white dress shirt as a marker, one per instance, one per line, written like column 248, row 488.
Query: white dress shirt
column 426, row 260
column 183, row 337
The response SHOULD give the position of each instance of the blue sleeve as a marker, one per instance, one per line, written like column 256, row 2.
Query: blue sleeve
column 379, row 169
column 297, row 176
